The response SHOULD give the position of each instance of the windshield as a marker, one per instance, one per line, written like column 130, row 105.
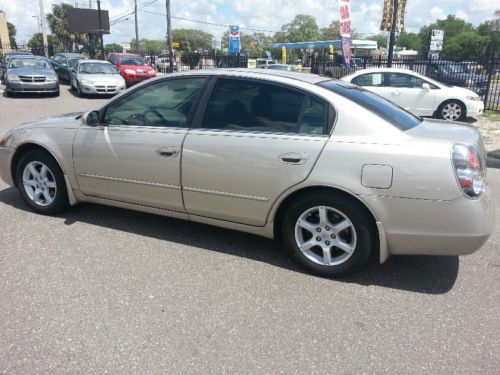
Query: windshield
column 453, row 68
column 29, row 63
column 383, row 108
column 132, row 60
column 73, row 60
column 97, row 68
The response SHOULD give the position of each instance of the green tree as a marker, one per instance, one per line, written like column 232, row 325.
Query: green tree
column 147, row 45
column 255, row 44
column 487, row 29
column 12, row 34
column 303, row 28
column 36, row 41
column 191, row 40
column 465, row 45
column 381, row 39
column 112, row 47
column 452, row 26
column 331, row 32
column 409, row 41
column 58, row 23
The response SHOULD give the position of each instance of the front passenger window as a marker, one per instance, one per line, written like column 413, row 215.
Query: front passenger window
column 166, row 103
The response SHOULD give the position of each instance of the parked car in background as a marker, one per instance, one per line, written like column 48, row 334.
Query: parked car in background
column 6, row 59
column 263, row 63
column 162, row 64
column 336, row 172
column 63, row 64
column 30, row 74
column 132, row 67
column 473, row 67
column 418, row 94
column 287, row 67
column 454, row 74
column 96, row 77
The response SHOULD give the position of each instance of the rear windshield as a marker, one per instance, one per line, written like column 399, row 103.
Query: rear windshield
column 389, row 111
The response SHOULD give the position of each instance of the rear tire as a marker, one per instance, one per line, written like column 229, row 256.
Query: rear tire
column 41, row 183
column 328, row 234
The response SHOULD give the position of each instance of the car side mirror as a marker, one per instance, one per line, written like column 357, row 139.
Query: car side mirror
column 426, row 86
column 91, row 118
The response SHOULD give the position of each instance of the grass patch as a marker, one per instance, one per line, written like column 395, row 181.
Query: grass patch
column 492, row 115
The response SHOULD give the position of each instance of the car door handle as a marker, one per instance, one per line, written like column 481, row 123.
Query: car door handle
column 168, row 152
column 294, row 157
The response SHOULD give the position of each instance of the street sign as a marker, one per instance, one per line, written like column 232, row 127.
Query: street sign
column 234, row 39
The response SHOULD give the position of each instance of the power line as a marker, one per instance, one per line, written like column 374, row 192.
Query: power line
column 209, row 23
column 124, row 15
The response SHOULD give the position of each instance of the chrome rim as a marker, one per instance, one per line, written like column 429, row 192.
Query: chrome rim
column 325, row 236
column 452, row 111
column 39, row 183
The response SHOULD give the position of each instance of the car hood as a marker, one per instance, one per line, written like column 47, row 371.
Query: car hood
column 448, row 131
column 67, row 120
column 101, row 77
column 136, row 67
column 459, row 91
column 30, row 72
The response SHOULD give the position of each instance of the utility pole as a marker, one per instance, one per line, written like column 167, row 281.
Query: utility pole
column 169, row 37
column 44, row 30
column 392, row 37
column 91, row 38
column 100, row 28
column 136, row 28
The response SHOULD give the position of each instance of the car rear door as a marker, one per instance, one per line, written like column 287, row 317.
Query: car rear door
column 134, row 155
column 374, row 82
column 253, row 141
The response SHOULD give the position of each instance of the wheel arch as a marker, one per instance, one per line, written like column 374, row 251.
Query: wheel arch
column 30, row 146
column 280, row 210
column 436, row 112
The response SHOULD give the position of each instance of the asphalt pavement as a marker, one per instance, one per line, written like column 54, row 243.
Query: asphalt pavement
column 106, row 290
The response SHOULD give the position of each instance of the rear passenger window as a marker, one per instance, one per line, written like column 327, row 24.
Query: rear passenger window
column 373, row 79
column 245, row 105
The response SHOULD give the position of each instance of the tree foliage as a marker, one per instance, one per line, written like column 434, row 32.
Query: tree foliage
column 36, row 41
column 12, row 34
column 303, row 28
column 191, row 40
column 409, row 41
column 58, row 23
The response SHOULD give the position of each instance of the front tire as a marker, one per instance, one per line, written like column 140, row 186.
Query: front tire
column 451, row 110
column 41, row 183
column 79, row 92
column 328, row 234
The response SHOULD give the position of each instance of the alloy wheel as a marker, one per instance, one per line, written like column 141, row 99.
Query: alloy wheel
column 39, row 183
column 325, row 236
column 451, row 111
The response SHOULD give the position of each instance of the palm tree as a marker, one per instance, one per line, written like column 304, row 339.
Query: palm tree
column 58, row 23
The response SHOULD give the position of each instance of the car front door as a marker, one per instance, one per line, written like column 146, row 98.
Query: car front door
column 253, row 141
column 408, row 91
column 134, row 154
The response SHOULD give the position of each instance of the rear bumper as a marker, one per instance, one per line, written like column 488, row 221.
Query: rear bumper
column 425, row 227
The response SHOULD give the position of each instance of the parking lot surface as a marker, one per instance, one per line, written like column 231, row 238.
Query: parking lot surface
column 101, row 289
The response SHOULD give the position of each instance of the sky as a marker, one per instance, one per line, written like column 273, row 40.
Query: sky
column 266, row 15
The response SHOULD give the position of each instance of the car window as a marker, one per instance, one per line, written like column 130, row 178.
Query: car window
column 371, row 79
column 238, row 104
column 404, row 80
column 163, row 103
column 29, row 63
column 112, row 59
column 96, row 68
column 376, row 104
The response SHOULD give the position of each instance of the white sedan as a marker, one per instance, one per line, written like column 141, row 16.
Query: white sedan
column 418, row 94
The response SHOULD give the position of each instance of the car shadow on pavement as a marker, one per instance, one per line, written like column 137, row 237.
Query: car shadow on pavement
column 421, row 274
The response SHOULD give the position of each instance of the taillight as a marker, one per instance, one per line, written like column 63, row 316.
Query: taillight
column 469, row 170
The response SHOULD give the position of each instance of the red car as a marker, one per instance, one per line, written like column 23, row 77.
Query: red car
column 132, row 67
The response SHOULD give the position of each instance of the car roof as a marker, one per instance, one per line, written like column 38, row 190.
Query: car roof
column 70, row 54
column 260, row 73
column 19, row 53
column 94, row 61
column 29, row 57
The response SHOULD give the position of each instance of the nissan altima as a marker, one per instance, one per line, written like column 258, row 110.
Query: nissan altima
column 336, row 173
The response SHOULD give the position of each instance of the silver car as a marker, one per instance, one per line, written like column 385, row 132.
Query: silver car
column 30, row 74
column 96, row 77
column 335, row 172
